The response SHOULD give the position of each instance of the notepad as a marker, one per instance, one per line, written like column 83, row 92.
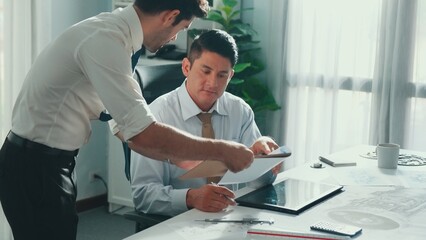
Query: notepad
column 337, row 162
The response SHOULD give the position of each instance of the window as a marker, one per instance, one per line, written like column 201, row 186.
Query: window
column 2, row 81
column 1, row 44
column 353, row 74
column 342, row 32
column 420, row 50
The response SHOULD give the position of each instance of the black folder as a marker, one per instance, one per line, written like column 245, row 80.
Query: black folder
column 289, row 196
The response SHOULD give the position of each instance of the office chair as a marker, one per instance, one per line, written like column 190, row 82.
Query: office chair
column 154, row 81
column 143, row 220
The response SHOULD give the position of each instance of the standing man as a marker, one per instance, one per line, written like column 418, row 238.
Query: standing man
column 82, row 73
column 156, row 187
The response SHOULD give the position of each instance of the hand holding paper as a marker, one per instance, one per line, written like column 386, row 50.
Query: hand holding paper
column 282, row 151
column 263, row 145
column 260, row 165
column 238, row 157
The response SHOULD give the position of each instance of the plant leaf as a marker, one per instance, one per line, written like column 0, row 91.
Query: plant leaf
column 216, row 16
column 228, row 11
column 230, row 3
column 236, row 81
column 239, row 67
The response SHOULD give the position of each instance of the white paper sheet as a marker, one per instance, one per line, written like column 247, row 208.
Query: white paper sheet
column 190, row 230
column 215, row 168
column 256, row 169
column 364, row 176
column 406, row 177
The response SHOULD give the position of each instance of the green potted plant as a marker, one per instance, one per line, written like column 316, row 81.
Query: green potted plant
column 245, row 83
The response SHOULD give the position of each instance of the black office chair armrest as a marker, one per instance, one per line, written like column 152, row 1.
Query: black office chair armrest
column 143, row 220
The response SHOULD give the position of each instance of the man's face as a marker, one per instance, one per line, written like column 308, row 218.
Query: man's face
column 164, row 35
column 207, row 78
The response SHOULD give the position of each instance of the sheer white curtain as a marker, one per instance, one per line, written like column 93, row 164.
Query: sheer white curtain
column 346, row 73
column 414, row 137
column 25, row 27
column 394, row 71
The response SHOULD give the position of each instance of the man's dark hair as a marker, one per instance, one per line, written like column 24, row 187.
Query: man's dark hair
column 217, row 41
column 188, row 8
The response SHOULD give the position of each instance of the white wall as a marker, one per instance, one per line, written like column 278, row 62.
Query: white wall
column 259, row 20
column 93, row 156
column 66, row 13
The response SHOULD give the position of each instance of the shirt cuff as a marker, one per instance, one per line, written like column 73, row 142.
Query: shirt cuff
column 179, row 200
column 137, row 119
column 113, row 127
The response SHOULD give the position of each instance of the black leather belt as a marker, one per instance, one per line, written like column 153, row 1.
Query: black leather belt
column 25, row 143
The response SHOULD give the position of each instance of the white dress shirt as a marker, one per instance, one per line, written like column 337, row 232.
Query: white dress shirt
column 156, row 186
column 84, row 71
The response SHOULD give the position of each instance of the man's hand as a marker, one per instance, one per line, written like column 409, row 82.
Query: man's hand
column 237, row 157
column 265, row 145
column 210, row 198
column 277, row 169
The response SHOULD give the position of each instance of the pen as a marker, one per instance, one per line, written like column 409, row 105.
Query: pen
column 295, row 235
column 230, row 199
column 243, row 221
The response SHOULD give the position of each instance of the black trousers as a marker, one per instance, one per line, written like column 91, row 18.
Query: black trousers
column 37, row 193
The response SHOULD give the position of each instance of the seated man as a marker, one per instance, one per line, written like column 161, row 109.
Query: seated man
column 156, row 186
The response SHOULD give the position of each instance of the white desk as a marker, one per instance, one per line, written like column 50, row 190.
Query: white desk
column 397, row 211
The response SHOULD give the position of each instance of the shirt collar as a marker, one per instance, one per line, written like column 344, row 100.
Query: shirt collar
column 190, row 109
column 131, row 17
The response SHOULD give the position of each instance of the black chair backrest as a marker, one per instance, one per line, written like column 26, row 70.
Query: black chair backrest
column 154, row 81
column 159, row 79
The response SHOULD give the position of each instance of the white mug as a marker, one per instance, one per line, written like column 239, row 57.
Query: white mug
column 387, row 155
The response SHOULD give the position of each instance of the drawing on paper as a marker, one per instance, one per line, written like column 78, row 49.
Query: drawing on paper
column 385, row 210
